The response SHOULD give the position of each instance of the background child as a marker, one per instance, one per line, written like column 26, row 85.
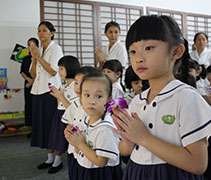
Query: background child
column 209, row 79
column 113, row 69
column 68, row 66
column 164, row 130
column 134, row 84
column 98, row 155
column 114, row 50
column 75, row 116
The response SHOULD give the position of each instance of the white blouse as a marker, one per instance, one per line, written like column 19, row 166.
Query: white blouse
column 51, row 55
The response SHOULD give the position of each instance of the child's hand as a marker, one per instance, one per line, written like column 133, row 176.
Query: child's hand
column 57, row 93
column 76, row 139
column 129, row 127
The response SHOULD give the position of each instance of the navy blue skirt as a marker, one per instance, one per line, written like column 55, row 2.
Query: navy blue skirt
column 43, row 108
column 105, row 173
column 136, row 171
column 57, row 140
column 72, row 167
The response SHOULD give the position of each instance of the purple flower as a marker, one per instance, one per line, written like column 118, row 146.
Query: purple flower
column 75, row 129
column 112, row 103
column 49, row 86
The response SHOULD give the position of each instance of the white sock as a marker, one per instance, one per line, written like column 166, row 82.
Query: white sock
column 50, row 158
column 57, row 161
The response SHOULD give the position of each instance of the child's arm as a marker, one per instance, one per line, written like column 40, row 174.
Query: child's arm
column 58, row 93
column 192, row 158
column 78, row 141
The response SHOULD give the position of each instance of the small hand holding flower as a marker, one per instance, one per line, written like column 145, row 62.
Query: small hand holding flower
column 130, row 127
column 57, row 93
column 77, row 139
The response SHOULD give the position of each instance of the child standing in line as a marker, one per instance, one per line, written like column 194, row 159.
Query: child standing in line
column 134, row 84
column 166, row 126
column 97, row 145
column 75, row 116
column 113, row 69
column 68, row 66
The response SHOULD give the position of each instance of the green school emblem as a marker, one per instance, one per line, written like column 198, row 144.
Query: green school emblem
column 68, row 96
column 168, row 119
column 90, row 144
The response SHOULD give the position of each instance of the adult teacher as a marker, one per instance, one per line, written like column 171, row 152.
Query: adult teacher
column 44, row 67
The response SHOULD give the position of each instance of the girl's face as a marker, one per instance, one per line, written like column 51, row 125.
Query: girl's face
column 193, row 72
column 44, row 33
column 151, row 59
column 137, row 86
column 62, row 72
column 111, row 74
column 112, row 34
column 201, row 41
column 94, row 96
column 78, row 79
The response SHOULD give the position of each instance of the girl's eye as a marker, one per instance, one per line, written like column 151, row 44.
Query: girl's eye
column 148, row 48
column 86, row 95
column 99, row 96
column 132, row 52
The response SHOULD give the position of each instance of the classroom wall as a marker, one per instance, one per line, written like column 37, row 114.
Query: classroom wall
column 19, row 20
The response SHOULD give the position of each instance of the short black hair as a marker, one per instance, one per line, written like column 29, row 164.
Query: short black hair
column 49, row 25
column 130, row 76
column 35, row 40
column 86, row 70
column 114, row 65
column 71, row 64
column 111, row 23
column 209, row 69
column 155, row 27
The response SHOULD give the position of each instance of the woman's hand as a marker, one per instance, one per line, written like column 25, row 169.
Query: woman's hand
column 130, row 127
column 34, row 51
column 100, row 54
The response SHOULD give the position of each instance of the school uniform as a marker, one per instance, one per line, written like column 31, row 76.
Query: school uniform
column 201, row 87
column 203, row 58
column 129, row 96
column 44, row 104
column 74, row 115
column 117, row 91
column 57, row 140
column 117, row 51
column 100, row 137
column 177, row 115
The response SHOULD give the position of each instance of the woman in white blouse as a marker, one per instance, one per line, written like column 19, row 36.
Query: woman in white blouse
column 115, row 49
column 43, row 69
column 201, row 54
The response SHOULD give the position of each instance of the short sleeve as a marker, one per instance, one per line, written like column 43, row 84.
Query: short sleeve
column 107, row 143
column 56, row 54
column 195, row 118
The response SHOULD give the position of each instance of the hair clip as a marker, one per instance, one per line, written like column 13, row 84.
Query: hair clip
column 75, row 129
column 113, row 103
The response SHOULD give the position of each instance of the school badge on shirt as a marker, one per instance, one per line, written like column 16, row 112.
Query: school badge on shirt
column 168, row 119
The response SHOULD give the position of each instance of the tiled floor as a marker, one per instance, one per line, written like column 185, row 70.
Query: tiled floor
column 18, row 161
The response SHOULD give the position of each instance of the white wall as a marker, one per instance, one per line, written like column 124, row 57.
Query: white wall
column 19, row 20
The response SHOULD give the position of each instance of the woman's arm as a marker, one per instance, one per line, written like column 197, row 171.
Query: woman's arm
column 192, row 158
column 27, row 78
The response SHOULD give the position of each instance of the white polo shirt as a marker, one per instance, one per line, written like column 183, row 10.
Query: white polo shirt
column 52, row 55
column 100, row 137
column 69, row 94
column 117, row 91
column 178, row 115
column 203, row 58
column 117, row 51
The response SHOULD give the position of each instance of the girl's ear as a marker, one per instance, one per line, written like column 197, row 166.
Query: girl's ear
column 118, row 74
column 178, row 52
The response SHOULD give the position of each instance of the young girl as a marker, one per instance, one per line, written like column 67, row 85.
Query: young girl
column 134, row 84
column 97, row 145
column 113, row 69
column 114, row 50
column 166, row 127
column 75, row 116
column 68, row 66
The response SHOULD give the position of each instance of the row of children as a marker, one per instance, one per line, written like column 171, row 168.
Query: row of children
column 165, row 130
